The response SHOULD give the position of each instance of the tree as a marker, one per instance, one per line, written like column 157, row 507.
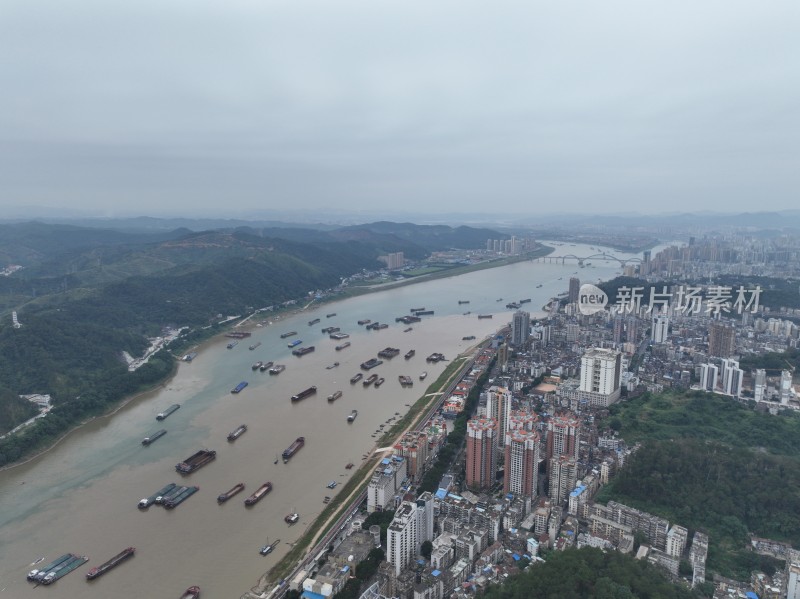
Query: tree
column 426, row 549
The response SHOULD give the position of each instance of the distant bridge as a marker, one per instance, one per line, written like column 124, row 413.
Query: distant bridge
column 581, row 260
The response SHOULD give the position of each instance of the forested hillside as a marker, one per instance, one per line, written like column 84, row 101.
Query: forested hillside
column 579, row 573
column 86, row 295
column 712, row 464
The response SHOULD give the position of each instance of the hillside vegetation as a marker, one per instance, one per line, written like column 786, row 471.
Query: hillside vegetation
column 711, row 464
column 86, row 295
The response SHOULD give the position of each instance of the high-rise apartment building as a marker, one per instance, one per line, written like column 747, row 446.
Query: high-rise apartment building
column 563, row 436
column 709, row 374
column 721, row 340
column 498, row 406
column 732, row 377
column 521, row 463
column 760, row 385
column 660, row 329
column 563, row 478
column 574, row 289
column 786, row 386
column 411, row 526
column 520, row 328
column 481, row 452
column 600, row 375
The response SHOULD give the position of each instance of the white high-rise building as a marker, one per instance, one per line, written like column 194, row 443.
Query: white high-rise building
column 676, row 541
column 660, row 329
column 732, row 377
column 709, row 374
column 760, row 385
column 786, row 386
column 600, row 371
column 411, row 526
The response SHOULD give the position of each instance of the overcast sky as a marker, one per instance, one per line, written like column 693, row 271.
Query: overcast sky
column 196, row 107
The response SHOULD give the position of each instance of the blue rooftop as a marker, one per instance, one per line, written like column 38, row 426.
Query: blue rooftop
column 436, row 573
column 386, row 461
column 441, row 494
column 310, row 595
column 516, row 557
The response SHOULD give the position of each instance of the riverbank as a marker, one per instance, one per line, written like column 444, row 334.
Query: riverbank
column 451, row 272
column 357, row 485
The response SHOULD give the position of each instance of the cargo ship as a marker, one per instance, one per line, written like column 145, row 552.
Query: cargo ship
column 353, row 415
column 190, row 356
column 370, row 379
column 266, row 366
column 423, row 375
column 334, row 396
column 191, row 593
column 331, row 485
column 463, row 302
column 63, row 569
column 235, row 489
column 291, row 518
column 239, row 387
column 112, row 563
column 331, row 315
column 156, row 435
column 371, row 363
column 174, row 502
column 232, row 344
column 304, row 393
column 525, row 301
column 417, row 309
column 379, row 382
column 238, row 432
column 277, row 369
column 388, row 352
column 258, row 494
column 40, row 573
column 254, row 346
column 238, row 334
column 196, row 461
column 174, row 492
column 405, row 381
column 408, row 319
column 289, row 334
column 344, row 345
column 302, row 351
column 313, row 322
column 424, row 313
column 410, row 354
column 468, row 338
column 332, row 366
column 435, row 357
column 365, row 321
column 355, row 378
column 168, row 411
column 148, row 501
column 294, row 343
column 484, row 316
column 336, row 336
column 293, row 449
column 257, row 365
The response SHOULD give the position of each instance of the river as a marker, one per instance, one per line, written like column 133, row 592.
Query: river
column 81, row 496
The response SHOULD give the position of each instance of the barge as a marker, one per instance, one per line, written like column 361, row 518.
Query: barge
column 110, row 564
column 154, row 437
column 196, row 461
column 258, row 494
column 234, row 490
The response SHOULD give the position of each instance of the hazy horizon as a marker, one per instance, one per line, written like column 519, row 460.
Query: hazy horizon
column 203, row 109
